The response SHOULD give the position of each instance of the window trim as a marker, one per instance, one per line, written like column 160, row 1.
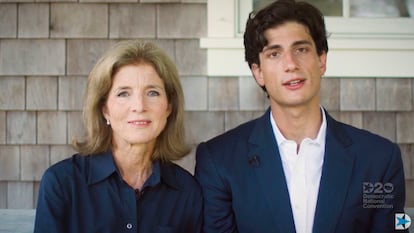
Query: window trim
column 359, row 47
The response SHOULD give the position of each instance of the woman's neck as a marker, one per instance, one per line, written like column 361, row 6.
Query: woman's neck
column 134, row 163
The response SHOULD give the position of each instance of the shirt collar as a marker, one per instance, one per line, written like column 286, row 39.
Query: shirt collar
column 320, row 138
column 162, row 172
column 102, row 166
column 168, row 174
column 155, row 176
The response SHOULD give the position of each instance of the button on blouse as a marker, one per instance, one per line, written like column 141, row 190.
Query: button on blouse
column 87, row 194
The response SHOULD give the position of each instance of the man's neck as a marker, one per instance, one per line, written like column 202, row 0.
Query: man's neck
column 298, row 123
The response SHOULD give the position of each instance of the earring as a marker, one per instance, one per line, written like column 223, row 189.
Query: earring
column 108, row 122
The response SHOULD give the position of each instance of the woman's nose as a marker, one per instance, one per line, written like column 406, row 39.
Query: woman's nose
column 138, row 103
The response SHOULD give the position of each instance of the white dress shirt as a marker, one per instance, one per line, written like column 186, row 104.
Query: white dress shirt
column 303, row 173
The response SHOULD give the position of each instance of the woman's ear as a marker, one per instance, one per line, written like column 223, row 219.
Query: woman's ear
column 105, row 112
column 169, row 109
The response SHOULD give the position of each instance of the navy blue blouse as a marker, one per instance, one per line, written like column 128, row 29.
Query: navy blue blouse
column 87, row 194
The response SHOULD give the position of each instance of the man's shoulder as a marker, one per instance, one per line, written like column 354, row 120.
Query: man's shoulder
column 362, row 138
column 228, row 147
column 363, row 134
column 240, row 133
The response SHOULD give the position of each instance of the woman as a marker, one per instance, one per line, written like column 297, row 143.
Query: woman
column 122, row 179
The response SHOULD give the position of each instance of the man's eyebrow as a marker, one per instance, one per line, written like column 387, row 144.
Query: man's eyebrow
column 270, row 47
column 277, row 46
column 302, row 42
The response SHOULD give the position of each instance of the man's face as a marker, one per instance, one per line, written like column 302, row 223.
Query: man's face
column 290, row 67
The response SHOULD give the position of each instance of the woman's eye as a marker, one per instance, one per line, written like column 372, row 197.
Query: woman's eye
column 123, row 94
column 153, row 93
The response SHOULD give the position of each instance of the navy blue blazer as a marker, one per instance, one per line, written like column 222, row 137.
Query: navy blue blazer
column 245, row 189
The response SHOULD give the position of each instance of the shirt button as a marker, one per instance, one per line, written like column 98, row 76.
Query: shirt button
column 129, row 226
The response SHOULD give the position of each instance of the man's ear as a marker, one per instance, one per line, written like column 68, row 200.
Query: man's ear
column 257, row 74
column 322, row 63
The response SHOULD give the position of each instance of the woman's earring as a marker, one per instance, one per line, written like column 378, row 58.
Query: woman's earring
column 108, row 122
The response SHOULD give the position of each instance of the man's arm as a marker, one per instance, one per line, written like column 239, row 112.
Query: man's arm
column 218, row 212
column 384, row 218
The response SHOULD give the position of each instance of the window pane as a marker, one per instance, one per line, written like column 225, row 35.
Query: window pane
column 379, row 8
column 328, row 7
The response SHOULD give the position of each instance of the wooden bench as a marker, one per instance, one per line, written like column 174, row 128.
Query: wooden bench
column 16, row 220
column 22, row 220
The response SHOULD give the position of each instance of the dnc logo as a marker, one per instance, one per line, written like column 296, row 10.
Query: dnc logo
column 402, row 221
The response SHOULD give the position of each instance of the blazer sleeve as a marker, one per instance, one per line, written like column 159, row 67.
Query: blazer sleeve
column 218, row 212
column 384, row 218
column 50, row 205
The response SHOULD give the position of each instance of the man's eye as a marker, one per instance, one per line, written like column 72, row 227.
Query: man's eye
column 153, row 93
column 302, row 50
column 274, row 54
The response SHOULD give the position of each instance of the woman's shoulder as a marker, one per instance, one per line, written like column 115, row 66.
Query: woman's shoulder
column 65, row 167
column 179, row 176
column 68, row 162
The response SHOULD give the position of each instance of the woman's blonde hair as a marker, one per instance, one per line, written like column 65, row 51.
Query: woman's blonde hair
column 170, row 143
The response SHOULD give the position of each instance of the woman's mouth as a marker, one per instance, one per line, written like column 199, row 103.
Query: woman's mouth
column 140, row 122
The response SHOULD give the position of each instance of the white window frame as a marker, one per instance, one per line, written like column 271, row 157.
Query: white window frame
column 358, row 47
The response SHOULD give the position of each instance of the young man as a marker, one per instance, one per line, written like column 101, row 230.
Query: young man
column 296, row 169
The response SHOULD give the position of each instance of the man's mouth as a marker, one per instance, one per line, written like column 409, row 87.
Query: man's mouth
column 294, row 82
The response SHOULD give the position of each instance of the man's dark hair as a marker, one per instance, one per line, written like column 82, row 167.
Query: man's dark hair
column 278, row 13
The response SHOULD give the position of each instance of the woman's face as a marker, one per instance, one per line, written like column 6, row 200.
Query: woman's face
column 137, row 106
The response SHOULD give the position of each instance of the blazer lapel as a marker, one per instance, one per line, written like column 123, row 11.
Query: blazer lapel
column 265, row 159
column 336, row 175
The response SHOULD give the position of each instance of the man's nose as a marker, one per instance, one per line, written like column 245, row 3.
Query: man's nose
column 289, row 62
